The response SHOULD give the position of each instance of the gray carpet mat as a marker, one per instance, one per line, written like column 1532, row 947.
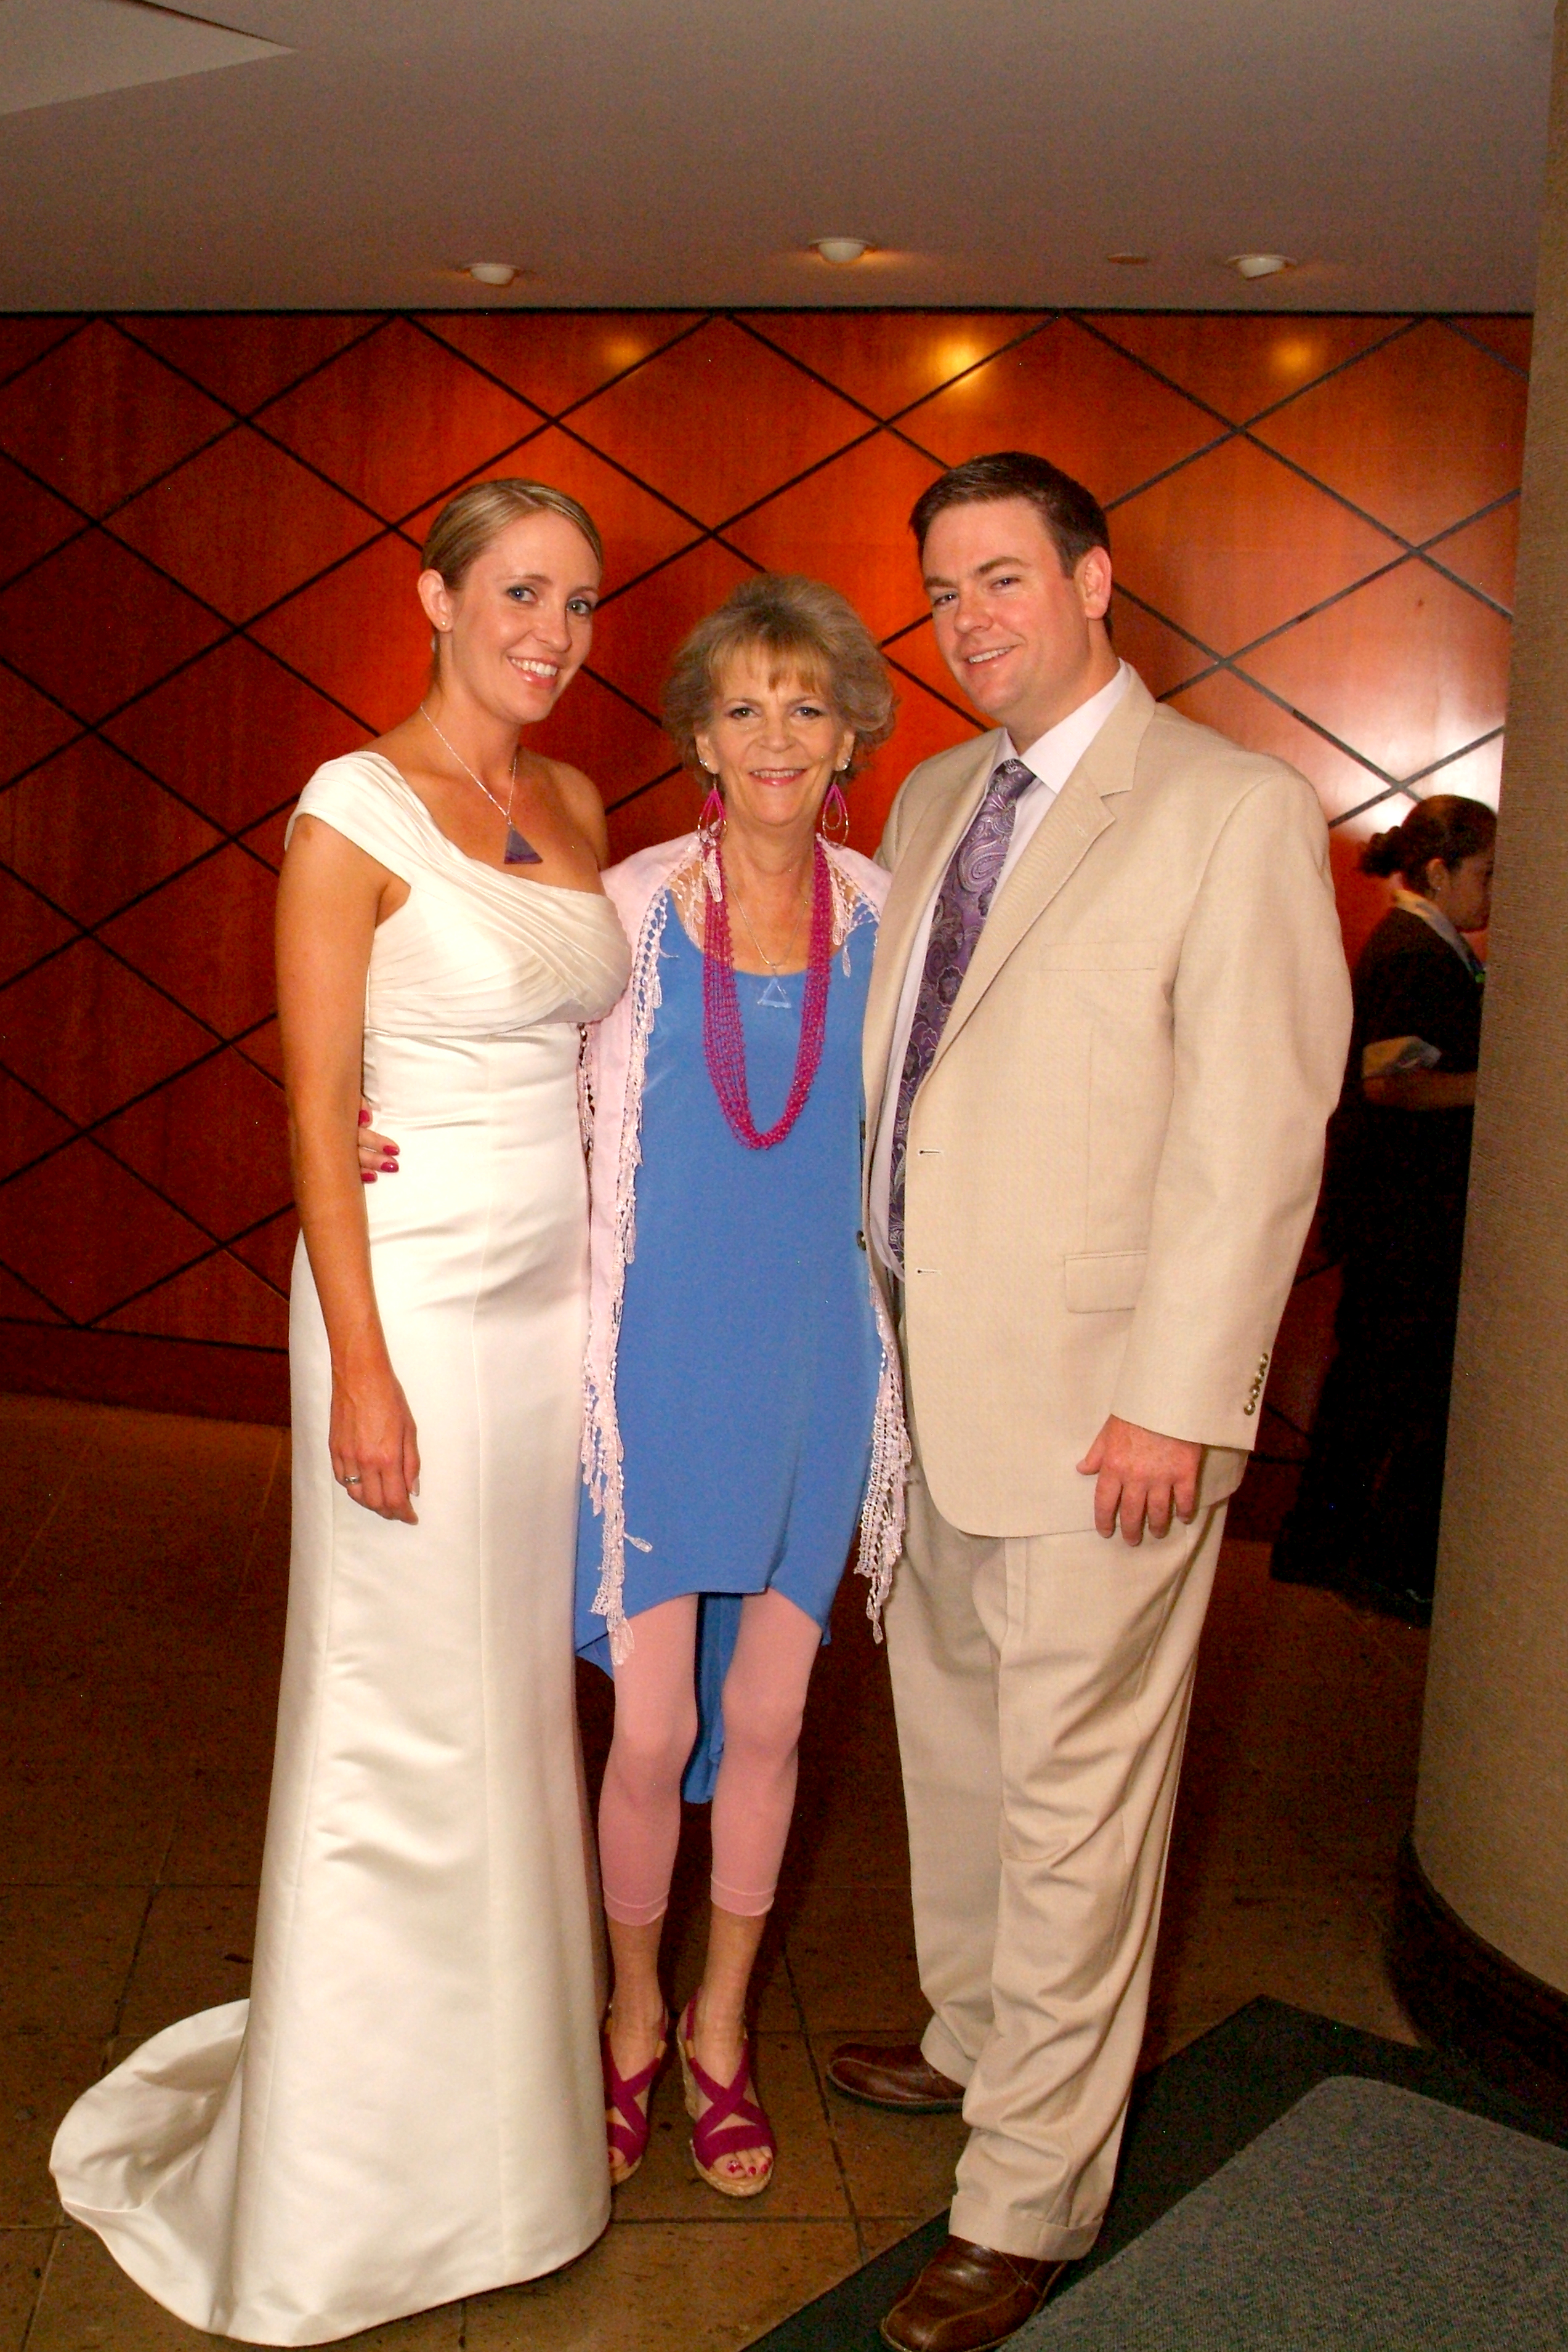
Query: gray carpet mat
column 1367, row 2219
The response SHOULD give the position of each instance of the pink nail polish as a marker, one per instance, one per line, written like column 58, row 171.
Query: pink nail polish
column 364, row 1118
column 389, row 1167
column 367, row 1176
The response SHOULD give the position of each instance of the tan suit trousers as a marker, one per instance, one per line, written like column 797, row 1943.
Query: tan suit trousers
column 1041, row 1684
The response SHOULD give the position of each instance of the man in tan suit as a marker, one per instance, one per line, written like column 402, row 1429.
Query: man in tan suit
column 1107, row 1025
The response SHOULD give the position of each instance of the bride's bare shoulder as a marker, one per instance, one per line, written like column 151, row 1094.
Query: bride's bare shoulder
column 581, row 801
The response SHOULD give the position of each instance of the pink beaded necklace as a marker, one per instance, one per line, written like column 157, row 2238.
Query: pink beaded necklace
column 723, row 1039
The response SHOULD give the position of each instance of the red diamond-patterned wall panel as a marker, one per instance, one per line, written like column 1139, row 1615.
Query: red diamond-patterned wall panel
column 1382, row 433
column 22, row 341
column 205, row 940
column 1234, row 545
column 208, row 541
column 29, row 1128
column 32, row 521
column 31, row 726
column 235, row 733
column 1096, row 413
column 243, row 523
column 94, row 625
column 718, row 421
column 212, row 1144
column 244, row 360
column 358, row 633
column 816, row 527
column 1452, row 669
column 1239, row 365
column 398, row 419
column 99, row 416
column 873, row 357
column 557, row 358
column 56, row 823
column 88, row 1236
column 636, row 635
column 30, row 929
column 88, row 1034
column 1484, row 552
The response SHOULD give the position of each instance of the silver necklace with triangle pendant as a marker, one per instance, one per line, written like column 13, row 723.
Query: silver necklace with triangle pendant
column 516, row 851
column 773, row 996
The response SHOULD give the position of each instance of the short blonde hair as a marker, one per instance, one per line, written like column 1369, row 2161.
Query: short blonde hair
column 803, row 624
column 468, row 523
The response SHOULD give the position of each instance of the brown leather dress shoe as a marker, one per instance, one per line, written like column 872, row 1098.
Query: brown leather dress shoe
column 897, row 2078
column 968, row 2298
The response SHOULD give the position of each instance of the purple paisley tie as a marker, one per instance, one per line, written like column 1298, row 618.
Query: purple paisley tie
column 959, row 918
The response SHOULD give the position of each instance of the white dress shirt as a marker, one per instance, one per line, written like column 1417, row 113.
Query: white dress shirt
column 1052, row 758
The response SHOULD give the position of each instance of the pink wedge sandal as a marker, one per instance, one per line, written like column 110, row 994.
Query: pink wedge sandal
column 627, row 2098
column 732, row 2123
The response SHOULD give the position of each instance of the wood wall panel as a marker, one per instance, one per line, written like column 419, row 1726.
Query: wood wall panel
column 1104, row 418
column 208, row 536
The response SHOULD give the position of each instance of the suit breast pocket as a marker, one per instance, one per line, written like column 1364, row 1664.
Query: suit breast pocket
column 1090, row 955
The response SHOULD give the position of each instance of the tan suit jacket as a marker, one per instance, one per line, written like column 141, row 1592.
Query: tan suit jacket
column 1114, row 1157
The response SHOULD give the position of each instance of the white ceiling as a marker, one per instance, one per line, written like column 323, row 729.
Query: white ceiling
column 56, row 50
column 683, row 151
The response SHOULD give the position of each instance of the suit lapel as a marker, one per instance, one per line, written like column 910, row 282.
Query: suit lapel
column 1081, row 812
column 920, row 866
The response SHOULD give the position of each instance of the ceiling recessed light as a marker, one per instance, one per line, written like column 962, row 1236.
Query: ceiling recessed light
column 491, row 273
column 1130, row 260
column 841, row 250
column 1259, row 264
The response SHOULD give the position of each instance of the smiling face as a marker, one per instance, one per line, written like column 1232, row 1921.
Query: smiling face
column 1026, row 641
column 775, row 743
column 516, row 631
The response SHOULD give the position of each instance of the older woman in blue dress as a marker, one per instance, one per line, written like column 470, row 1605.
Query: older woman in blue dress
column 743, row 1408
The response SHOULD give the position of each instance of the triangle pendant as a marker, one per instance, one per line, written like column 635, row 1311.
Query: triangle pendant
column 518, row 852
column 774, row 995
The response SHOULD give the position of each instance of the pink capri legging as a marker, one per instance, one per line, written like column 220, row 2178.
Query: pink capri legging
column 655, row 1725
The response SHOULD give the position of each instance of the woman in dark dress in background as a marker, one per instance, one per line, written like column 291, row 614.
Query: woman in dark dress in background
column 1367, row 1518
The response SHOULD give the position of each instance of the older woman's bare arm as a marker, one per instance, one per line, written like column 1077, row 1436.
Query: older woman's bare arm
column 330, row 900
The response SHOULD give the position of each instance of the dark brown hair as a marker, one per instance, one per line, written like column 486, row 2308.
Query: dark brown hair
column 802, row 624
column 1446, row 826
column 1075, row 518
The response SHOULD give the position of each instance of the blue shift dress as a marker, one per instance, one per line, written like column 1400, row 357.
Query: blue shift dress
column 749, row 1358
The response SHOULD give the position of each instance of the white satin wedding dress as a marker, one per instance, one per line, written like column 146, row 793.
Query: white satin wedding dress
column 409, row 2108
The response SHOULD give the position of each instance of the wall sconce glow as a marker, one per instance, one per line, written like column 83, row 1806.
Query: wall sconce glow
column 841, row 250
column 1259, row 264
column 490, row 273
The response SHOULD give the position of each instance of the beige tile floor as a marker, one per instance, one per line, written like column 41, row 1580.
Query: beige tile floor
column 142, row 1566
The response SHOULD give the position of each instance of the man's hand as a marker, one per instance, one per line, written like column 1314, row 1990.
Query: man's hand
column 1140, row 1475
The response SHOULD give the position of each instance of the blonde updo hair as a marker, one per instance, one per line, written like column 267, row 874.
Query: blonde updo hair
column 803, row 626
column 468, row 523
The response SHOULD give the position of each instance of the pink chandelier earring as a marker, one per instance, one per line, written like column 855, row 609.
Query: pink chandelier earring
column 834, row 821
column 710, row 833
column 711, row 823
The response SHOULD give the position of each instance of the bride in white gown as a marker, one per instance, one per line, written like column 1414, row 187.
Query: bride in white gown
column 409, row 2108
